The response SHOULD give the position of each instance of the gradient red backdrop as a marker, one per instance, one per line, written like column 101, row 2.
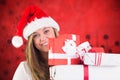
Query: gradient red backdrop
column 97, row 21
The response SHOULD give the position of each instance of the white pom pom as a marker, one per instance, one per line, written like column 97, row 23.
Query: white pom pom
column 17, row 41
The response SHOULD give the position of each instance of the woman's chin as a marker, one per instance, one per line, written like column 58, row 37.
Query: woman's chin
column 45, row 50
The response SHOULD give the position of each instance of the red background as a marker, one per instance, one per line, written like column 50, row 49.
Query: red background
column 97, row 21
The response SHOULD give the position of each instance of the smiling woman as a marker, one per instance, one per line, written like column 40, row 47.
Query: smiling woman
column 36, row 27
column 41, row 38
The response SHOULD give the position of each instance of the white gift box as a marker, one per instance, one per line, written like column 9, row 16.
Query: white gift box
column 79, row 72
column 102, row 59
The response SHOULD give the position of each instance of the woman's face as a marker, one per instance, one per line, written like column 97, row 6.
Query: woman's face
column 40, row 38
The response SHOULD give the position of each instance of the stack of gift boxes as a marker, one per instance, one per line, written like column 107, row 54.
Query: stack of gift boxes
column 72, row 60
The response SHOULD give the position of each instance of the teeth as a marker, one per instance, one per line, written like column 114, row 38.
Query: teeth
column 45, row 44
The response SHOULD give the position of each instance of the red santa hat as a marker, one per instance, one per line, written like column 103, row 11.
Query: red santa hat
column 33, row 19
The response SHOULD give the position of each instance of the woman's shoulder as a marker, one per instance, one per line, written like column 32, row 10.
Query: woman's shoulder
column 22, row 71
column 26, row 67
column 23, row 64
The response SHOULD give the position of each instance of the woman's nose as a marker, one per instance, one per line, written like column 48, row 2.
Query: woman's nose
column 43, row 39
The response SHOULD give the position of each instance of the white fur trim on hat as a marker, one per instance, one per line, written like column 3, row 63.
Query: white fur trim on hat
column 37, row 24
column 17, row 41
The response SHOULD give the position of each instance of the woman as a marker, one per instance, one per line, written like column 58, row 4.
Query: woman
column 36, row 27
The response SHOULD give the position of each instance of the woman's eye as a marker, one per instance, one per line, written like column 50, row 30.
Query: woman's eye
column 46, row 31
column 36, row 35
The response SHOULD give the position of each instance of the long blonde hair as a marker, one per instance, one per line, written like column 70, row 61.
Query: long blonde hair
column 38, row 65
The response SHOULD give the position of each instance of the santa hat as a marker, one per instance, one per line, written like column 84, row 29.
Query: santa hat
column 33, row 19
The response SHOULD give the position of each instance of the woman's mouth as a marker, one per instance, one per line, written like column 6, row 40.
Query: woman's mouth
column 45, row 44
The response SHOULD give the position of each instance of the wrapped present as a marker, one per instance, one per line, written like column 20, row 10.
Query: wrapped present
column 83, row 48
column 62, row 50
column 102, row 59
column 81, row 72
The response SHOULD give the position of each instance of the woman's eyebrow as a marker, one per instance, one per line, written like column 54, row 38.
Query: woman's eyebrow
column 45, row 28
column 34, row 33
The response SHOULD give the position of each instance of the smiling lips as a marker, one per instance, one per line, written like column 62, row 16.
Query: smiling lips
column 44, row 44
